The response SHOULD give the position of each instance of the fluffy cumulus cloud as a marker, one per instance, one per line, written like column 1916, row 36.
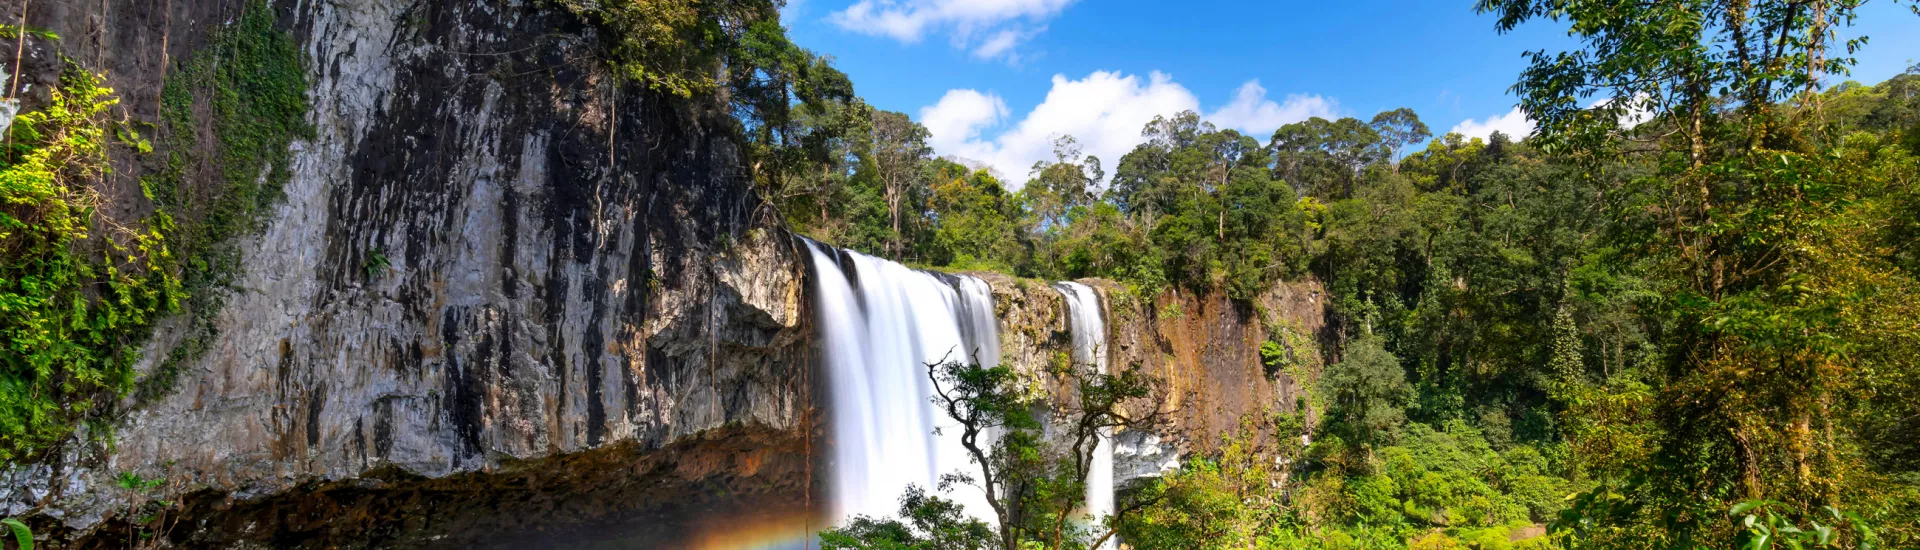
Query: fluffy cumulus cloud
column 989, row 29
column 1514, row 124
column 1104, row 111
column 961, row 115
column 1253, row 114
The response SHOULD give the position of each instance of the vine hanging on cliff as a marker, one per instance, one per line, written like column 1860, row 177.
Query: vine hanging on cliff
column 78, row 290
column 229, row 114
column 81, row 290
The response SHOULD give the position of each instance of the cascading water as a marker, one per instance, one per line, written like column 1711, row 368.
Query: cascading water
column 1090, row 351
column 880, row 324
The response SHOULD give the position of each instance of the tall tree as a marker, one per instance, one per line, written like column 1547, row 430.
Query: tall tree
column 899, row 154
column 1752, row 232
column 1058, row 186
column 1324, row 158
column 1398, row 129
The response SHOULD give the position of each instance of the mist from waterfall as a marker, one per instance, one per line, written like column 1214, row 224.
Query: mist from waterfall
column 1090, row 351
column 881, row 323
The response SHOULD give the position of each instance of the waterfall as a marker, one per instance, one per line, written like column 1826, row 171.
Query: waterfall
column 1090, row 350
column 880, row 324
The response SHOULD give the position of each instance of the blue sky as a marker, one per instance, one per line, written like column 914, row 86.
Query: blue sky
column 994, row 80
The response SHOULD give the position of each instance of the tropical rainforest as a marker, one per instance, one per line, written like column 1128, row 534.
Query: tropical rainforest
column 1685, row 313
column 1681, row 315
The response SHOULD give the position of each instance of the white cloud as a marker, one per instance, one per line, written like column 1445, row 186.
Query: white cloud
column 1253, row 114
column 989, row 28
column 961, row 115
column 1001, row 43
column 1638, row 111
column 1514, row 124
column 1104, row 111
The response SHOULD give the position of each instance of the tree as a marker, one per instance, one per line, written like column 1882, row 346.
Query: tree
column 1368, row 389
column 1227, row 499
column 932, row 523
column 899, row 154
column 1399, row 128
column 977, row 222
column 1676, row 59
column 1324, row 159
column 1063, row 184
column 1034, row 483
column 819, row 197
column 1754, row 235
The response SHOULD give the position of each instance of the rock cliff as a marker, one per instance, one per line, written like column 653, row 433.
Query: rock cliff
column 580, row 316
column 1204, row 349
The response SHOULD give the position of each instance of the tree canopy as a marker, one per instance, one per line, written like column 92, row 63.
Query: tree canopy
column 1682, row 314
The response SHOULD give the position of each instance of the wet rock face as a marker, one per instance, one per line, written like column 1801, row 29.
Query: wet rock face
column 571, row 267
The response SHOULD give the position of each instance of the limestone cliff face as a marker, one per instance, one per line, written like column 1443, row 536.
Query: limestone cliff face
column 579, row 297
column 585, row 328
column 1204, row 349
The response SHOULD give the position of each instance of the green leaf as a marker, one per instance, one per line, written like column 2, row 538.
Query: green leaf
column 1743, row 507
column 1762, row 542
column 21, row 534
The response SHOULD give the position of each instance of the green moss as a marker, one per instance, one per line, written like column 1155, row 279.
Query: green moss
column 229, row 115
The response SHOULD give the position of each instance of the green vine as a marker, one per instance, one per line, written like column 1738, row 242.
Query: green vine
column 229, row 115
column 78, row 291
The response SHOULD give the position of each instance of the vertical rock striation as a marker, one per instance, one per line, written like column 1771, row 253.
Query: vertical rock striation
column 497, row 272
column 1203, row 349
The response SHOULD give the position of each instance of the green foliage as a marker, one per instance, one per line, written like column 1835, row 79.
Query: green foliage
column 132, row 482
column 22, row 536
column 1367, row 392
column 1450, row 479
column 1288, row 349
column 229, row 115
column 669, row 45
column 1432, row 489
column 979, row 226
column 14, row 31
column 932, row 523
column 1701, row 291
column 78, row 291
column 797, row 114
column 1764, row 526
column 1754, row 221
column 147, row 517
column 1174, row 310
column 377, row 263
column 1226, row 499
